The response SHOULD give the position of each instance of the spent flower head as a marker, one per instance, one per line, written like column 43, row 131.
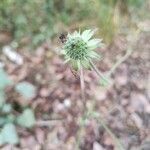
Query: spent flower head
column 79, row 48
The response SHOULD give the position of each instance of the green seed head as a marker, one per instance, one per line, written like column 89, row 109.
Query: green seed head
column 79, row 48
column 76, row 48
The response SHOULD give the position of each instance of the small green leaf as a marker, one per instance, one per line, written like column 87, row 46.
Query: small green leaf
column 27, row 118
column 7, row 119
column 9, row 134
column 105, row 82
column 4, row 79
column 7, row 108
column 26, row 89
column 10, row 118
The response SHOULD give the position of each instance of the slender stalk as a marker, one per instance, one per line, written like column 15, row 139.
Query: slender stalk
column 81, row 128
column 98, row 72
column 117, row 141
column 82, row 86
column 100, row 119
column 47, row 122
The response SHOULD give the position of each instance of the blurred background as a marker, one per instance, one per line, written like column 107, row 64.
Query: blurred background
column 41, row 20
column 40, row 98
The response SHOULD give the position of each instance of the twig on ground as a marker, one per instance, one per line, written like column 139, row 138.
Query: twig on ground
column 117, row 141
column 115, row 66
column 48, row 122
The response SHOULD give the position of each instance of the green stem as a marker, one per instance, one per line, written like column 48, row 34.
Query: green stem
column 100, row 119
column 117, row 141
column 82, row 86
column 98, row 72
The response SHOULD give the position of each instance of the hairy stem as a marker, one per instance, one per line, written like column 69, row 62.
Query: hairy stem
column 98, row 72
column 108, row 130
column 100, row 119
column 79, row 136
column 82, row 86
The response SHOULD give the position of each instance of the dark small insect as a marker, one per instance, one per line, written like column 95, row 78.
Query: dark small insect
column 62, row 38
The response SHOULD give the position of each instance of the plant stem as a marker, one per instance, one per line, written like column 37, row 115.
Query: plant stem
column 78, row 138
column 98, row 72
column 82, row 86
column 100, row 119
column 118, row 143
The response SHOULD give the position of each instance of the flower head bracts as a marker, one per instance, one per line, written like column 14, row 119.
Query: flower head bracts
column 79, row 48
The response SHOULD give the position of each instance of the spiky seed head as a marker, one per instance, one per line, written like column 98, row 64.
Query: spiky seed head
column 78, row 48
